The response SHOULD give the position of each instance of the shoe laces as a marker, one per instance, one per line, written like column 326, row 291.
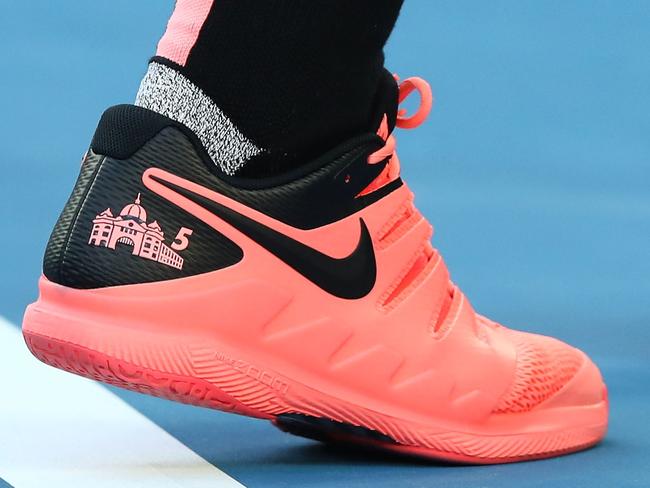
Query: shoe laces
column 388, row 150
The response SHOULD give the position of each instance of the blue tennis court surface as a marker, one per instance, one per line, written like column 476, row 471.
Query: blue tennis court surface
column 534, row 168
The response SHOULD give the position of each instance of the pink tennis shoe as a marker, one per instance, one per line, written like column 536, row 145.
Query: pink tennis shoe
column 313, row 299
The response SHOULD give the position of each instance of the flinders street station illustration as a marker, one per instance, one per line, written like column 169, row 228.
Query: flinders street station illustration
column 130, row 228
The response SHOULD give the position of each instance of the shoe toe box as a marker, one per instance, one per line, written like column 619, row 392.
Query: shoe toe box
column 549, row 374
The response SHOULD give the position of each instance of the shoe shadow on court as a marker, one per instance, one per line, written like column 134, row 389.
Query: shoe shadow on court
column 303, row 452
column 319, row 453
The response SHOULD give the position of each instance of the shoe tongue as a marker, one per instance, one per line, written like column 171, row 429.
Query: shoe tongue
column 386, row 102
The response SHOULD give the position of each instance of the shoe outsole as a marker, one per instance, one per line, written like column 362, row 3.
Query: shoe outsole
column 198, row 375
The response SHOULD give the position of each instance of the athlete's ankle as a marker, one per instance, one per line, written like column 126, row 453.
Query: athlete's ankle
column 268, row 86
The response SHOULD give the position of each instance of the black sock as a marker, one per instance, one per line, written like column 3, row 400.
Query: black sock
column 291, row 79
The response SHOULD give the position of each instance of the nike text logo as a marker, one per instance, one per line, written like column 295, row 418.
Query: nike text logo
column 349, row 277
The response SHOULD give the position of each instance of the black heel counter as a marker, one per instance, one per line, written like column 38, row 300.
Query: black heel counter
column 113, row 230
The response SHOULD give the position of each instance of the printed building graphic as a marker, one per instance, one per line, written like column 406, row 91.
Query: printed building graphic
column 130, row 228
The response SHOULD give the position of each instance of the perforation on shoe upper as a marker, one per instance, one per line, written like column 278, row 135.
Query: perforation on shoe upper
column 544, row 366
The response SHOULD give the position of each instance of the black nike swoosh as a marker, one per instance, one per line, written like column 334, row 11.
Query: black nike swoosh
column 349, row 277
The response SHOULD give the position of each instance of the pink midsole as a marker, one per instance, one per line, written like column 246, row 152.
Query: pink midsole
column 281, row 389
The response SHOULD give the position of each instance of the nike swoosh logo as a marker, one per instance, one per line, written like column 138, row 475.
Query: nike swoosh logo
column 350, row 277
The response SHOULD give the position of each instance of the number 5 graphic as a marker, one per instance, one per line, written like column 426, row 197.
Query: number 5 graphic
column 181, row 241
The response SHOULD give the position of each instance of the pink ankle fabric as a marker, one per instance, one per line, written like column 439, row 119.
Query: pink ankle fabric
column 183, row 29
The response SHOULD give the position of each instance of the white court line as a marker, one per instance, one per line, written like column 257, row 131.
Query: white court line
column 61, row 430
